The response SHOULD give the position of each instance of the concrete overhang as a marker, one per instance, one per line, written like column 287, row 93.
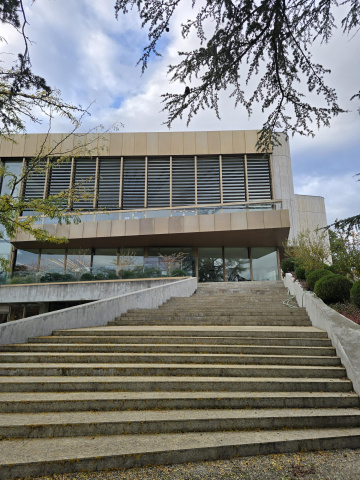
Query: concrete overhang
column 250, row 228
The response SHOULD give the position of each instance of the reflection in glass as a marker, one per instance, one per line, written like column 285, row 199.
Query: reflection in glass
column 237, row 264
column 13, row 168
column 210, row 264
column 264, row 263
column 172, row 261
column 78, row 261
column 26, row 260
column 129, row 258
column 52, row 260
column 104, row 260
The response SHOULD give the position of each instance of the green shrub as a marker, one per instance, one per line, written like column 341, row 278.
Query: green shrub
column 20, row 280
column 99, row 276
column 178, row 272
column 313, row 277
column 112, row 276
column 355, row 293
column 300, row 273
column 126, row 274
column 56, row 277
column 87, row 277
column 332, row 269
column 288, row 265
column 333, row 288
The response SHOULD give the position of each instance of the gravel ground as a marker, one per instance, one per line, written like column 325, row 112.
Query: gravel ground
column 328, row 465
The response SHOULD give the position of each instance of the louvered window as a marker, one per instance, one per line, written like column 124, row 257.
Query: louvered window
column 259, row 180
column 35, row 180
column 59, row 178
column 208, row 180
column 84, row 183
column 158, row 190
column 183, row 181
column 133, row 183
column 233, row 178
column 109, row 183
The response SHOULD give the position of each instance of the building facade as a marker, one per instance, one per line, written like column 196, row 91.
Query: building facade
column 207, row 203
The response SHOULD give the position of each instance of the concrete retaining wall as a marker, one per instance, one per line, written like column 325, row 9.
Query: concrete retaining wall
column 76, row 291
column 343, row 333
column 94, row 314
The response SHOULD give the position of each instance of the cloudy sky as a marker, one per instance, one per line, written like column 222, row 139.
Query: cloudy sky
column 80, row 48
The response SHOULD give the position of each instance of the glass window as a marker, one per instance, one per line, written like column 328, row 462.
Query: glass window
column 15, row 168
column 210, row 264
column 178, row 261
column 130, row 258
column 104, row 260
column 237, row 264
column 78, row 261
column 52, row 260
column 26, row 260
column 264, row 263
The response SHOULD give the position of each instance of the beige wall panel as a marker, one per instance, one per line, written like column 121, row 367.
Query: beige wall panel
column 238, row 138
column 176, row 143
column 238, row 221
column 55, row 143
column 201, row 143
column 68, row 145
column 189, row 143
column 140, row 144
column 213, row 139
column 226, row 142
column 22, row 237
column 285, row 218
column 92, row 144
column 255, row 220
column 76, row 231
column 117, row 228
column 80, row 142
column 161, row 225
column 147, row 226
column 103, row 144
column 251, row 137
column 191, row 224
column 50, row 228
column 103, row 229
column 18, row 145
column 207, row 223
column 272, row 219
column 34, row 144
column 6, row 147
column 128, row 144
column 152, row 143
column 222, row 222
column 132, row 227
column 63, row 230
column 90, row 229
column 116, row 144
column 176, row 224
column 164, row 144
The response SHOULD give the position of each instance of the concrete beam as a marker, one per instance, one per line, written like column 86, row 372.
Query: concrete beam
column 95, row 313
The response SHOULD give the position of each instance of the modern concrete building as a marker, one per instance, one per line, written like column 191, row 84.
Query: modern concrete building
column 210, row 195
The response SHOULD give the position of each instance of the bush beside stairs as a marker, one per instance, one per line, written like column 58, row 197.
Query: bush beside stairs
column 230, row 371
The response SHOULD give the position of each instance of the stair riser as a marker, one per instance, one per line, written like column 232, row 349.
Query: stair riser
column 171, row 349
column 210, row 312
column 170, row 359
column 247, row 371
column 177, row 386
column 126, row 461
column 222, row 321
column 176, row 404
column 177, row 426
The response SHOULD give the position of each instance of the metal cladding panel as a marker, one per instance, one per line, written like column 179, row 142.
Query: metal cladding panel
column 208, row 180
column 233, row 179
column 59, row 178
column 158, row 189
column 35, row 181
column 109, row 183
column 259, row 178
column 183, row 181
column 133, row 183
column 84, row 182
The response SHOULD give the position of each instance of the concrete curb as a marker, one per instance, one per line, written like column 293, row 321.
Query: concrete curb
column 95, row 313
column 343, row 333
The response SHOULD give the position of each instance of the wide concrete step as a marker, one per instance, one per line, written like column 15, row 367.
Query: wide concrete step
column 49, row 456
column 161, row 340
column 19, row 402
column 172, row 384
column 211, row 320
column 194, row 331
column 218, row 310
column 176, row 370
column 73, row 424
column 163, row 358
column 166, row 348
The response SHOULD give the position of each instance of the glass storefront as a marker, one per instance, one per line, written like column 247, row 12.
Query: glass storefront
column 210, row 264
column 78, row 261
column 52, row 260
column 237, row 264
column 264, row 263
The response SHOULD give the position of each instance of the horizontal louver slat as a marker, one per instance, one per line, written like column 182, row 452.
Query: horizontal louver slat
column 35, row 181
column 233, row 179
column 259, row 180
column 59, row 178
column 158, row 190
column 109, row 183
column 133, row 183
column 183, row 181
column 208, row 180
column 84, row 182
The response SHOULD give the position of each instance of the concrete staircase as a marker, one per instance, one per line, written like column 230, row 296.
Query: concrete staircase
column 230, row 371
